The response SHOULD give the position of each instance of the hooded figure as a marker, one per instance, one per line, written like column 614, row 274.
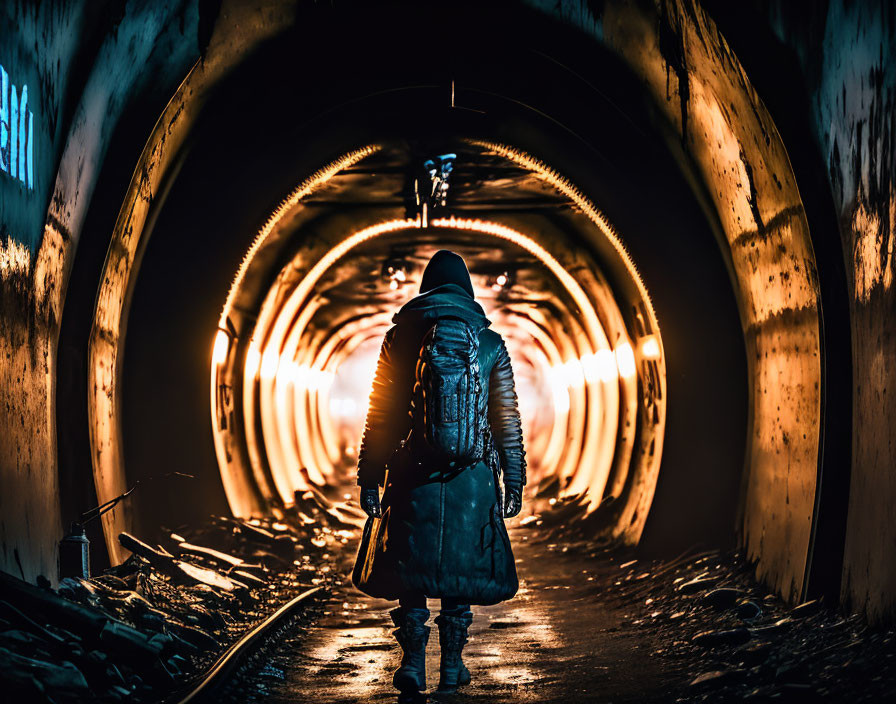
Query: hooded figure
column 436, row 533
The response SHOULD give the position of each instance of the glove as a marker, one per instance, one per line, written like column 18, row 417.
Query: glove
column 370, row 501
column 513, row 501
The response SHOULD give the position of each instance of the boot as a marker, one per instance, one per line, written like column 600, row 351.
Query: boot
column 412, row 635
column 452, row 638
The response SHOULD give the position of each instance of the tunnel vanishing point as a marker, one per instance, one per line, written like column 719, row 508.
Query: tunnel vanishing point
column 680, row 214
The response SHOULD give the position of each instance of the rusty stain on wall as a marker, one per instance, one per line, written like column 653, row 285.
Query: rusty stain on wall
column 30, row 521
column 872, row 250
column 15, row 260
column 725, row 129
column 845, row 52
column 852, row 76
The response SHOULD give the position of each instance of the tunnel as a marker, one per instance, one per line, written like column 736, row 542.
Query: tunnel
column 312, row 288
column 678, row 215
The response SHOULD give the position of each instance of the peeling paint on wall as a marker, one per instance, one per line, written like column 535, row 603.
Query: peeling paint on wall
column 855, row 111
column 872, row 250
column 15, row 260
column 29, row 503
column 846, row 53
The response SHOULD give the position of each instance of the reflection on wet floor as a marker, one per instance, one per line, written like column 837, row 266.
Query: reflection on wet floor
column 553, row 642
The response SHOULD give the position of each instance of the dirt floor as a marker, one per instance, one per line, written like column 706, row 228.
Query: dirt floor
column 590, row 625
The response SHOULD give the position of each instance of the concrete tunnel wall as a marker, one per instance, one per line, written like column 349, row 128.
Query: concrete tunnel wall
column 847, row 56
column 84, row 69
column 733, row 150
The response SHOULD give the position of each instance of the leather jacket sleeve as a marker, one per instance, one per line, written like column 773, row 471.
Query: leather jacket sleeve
column 504, row 420
column 383, row 428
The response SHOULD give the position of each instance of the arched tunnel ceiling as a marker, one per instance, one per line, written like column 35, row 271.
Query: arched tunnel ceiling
column 380, row 187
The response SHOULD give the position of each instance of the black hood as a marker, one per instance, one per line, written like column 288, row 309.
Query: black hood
column 446, row 267
column 446, row 300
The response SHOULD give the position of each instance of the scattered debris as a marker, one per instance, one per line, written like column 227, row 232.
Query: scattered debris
column 713, row 639
column 726, row 635
column 142, row 630
column 720, row 599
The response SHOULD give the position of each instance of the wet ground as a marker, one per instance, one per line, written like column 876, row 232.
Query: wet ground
column 594, row 624
column 591, row 623
column 553, row 642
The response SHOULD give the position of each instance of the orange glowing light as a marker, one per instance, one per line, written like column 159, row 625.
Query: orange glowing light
column 282, row 416
column 221, row 347
column 650, row 348
column 600, row 366
column 625, row 360
column 270, row 362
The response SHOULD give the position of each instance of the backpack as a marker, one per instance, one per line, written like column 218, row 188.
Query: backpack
column 448, row 388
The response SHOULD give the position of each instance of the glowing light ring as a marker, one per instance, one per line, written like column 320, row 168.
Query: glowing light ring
column 271, row 339
column 597, row 448
column 310, row 184
column 651, row 472
column 587, row 207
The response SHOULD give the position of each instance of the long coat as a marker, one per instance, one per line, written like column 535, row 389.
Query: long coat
column 443, row 533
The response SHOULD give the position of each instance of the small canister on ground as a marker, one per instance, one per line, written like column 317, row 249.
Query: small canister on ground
column 74, row 553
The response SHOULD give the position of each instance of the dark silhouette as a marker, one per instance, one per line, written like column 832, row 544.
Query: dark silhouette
column 439, row 531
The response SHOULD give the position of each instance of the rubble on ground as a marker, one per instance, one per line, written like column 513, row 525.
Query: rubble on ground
column 147, row 628
column 726, row 635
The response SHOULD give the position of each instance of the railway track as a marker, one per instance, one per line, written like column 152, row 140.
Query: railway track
column 215, row 683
